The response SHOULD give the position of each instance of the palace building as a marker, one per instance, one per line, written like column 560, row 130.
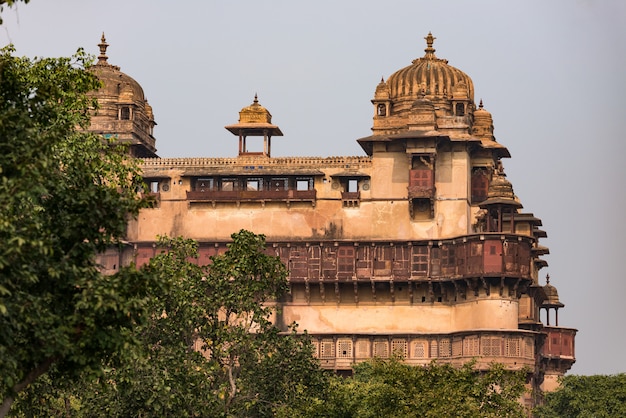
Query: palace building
column 419, row 246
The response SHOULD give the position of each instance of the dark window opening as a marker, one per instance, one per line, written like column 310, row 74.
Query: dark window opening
column 421, row 209
column 125, row 113
column 460, row 109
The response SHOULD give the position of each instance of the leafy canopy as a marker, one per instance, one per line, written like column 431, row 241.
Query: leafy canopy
column 598, row 396
column 65, row 195
column 207, row 348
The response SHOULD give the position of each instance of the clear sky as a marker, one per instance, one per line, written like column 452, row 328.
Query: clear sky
column 550, row 72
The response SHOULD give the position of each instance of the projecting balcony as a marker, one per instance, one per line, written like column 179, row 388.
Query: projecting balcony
column 252, row 196
column 421, row 184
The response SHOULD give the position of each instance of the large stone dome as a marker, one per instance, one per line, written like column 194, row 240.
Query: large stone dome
column 123, row 111
column 428, row 76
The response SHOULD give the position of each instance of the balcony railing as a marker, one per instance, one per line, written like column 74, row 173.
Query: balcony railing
column 252, row 195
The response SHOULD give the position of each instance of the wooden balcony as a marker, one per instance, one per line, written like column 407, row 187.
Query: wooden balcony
column 252, row 196
column 421, row 184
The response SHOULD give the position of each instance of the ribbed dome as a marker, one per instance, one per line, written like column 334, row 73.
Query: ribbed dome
column 123, row 111
column 430, row 76
column 483, row 123
column 117, row 86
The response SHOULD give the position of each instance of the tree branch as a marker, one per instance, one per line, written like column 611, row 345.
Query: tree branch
column 43, row 367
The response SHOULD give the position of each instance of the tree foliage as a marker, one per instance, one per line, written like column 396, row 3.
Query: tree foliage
column 598, row 396
column 9, row 3
column 65, row 195
column 389, row 387
column 207, row 348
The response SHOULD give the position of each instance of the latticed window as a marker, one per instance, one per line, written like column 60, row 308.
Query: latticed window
column 529, row 347
column 480, row 184
column 316, row 349
column 419, row 265
column 444, row 348
column 381, row 349
column 433, row 348
column 471, row 346
column 327, row 349
column 457, row 348
column 512, row 347
column 400, row 348
column 418, row 349
column 345, row 261
column 344, row 348
column 362, row 348
column 491, row 346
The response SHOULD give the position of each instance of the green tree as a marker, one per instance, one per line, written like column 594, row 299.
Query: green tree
column 9, row 3
column 246, row 367
column 65, row 195
column 598, row 396
column 385, row 388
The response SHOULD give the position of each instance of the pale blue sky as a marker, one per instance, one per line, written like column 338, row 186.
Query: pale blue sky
column 550, row 72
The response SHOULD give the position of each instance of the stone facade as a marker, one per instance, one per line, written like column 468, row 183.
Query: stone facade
column 418, row 247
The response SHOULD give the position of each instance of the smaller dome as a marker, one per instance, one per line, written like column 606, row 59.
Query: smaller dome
column 552, row 296
column 483, row 123
column 382, row 91
column 255, row 113
column 500, row 190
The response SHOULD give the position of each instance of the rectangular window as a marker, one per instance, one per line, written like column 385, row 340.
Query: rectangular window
column 400, row 348
column 444, row 348
column 344, row 348
column 418, row 349
column 471, row 346
column 362, row 349
column 381, row 349
column 228, row 185
column 529, row 345
column 419, row 265
column 204, row 184
column 345, row 261
column 327, row 349
column 491, row 346
column 279, row 183
column 304, row 183
column 353, row 186
column 254, row 185
column 512, row 347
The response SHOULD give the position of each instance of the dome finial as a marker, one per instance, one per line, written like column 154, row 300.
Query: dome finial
column 547, row 278
column 102, row 58
column 430, row 51
column 480, row 106
column 256, row 98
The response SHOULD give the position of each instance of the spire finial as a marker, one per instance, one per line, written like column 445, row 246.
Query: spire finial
column 547, row 278
column 480, row 106
column 256, row 98
column 102, row 58
column 430, row 51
